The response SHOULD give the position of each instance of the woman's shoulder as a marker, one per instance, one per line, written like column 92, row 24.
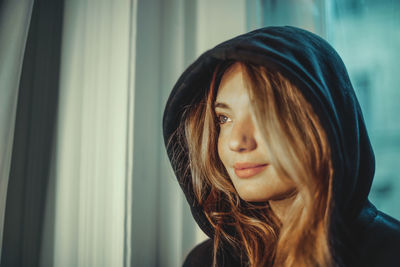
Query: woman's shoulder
column 389, row 230
column 381, row 243
column 200, row 255
column 384, row 230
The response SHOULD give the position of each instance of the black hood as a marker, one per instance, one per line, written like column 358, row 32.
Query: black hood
column 315, row 67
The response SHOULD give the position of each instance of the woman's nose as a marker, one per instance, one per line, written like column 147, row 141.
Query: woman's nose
column 241, row 138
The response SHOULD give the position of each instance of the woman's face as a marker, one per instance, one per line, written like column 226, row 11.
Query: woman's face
column 241, row 147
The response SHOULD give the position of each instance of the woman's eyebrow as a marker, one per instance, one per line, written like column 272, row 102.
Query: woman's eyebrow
column 221, row 105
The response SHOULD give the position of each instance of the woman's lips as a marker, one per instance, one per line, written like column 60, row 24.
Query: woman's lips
column 246, row 170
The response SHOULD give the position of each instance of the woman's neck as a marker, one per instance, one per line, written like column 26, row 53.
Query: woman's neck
column 281, row 205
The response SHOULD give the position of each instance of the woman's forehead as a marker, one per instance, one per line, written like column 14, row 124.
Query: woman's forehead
column 231, row 83
column 235, row 81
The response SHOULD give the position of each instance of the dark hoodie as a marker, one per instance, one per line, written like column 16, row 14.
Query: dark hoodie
column 363, row 235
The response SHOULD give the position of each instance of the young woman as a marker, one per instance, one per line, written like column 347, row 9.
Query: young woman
column 268, row 142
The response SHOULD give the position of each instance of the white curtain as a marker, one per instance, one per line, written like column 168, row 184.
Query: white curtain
column 14, row 24
column 88, row 212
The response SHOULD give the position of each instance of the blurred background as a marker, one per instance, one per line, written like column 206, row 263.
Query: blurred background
column 84, row 176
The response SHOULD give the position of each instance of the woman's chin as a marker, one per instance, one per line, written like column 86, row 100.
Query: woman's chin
column 262, row 195
column 255, row 195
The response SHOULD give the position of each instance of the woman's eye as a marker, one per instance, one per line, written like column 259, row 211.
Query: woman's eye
column 222, row 119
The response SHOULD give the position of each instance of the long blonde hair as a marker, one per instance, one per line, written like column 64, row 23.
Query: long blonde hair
column 299, row 149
